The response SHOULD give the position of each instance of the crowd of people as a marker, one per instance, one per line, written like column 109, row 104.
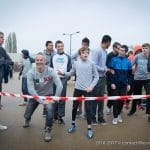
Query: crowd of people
column 124, row 72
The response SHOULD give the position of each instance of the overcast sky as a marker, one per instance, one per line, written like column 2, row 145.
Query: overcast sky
column 35, row 21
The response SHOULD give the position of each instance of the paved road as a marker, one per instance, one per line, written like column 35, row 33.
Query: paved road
column 134, row 130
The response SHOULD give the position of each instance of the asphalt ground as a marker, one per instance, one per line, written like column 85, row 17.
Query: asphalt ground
column 132, row 134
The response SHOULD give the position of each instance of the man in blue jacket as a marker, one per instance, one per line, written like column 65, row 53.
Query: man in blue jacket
column 121, row 77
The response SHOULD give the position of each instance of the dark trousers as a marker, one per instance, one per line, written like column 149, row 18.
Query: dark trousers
column 88, row 105
column 99, row 90
column 32, row 105
column 24, row 88
column 109, row 93
column 0, row 91
column 59, row 107
column 138, row 85
column 118, row 104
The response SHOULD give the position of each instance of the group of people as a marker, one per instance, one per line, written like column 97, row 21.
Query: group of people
column 91, row 68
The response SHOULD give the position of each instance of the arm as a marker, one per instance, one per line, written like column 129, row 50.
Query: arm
column 69, row 65
column 95, row 76
column 57, row 82
column 96, row 57
column 130, row 74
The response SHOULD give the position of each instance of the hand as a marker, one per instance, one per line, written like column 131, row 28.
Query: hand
column 113, row 86
column 112, row 71
column 60, row 72
column 46, row 102
column 133, row 69
column 128, row 88
column 89, row 89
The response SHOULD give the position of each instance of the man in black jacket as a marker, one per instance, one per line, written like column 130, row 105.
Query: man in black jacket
column 5, row 61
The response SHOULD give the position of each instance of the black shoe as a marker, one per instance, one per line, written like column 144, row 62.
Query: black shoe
column 26, row 125
column 131, row 113
column 61, row 121
column 102, row 121
column 94, row 123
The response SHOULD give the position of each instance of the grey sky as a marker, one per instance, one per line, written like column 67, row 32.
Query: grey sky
column 36, row 21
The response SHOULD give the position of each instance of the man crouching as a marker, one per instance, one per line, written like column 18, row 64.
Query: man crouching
column 40, row 81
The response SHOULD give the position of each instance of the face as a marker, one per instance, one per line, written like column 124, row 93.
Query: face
column 106, row 45
column 145, row 50
column 60, row 47
column 122, row 52
column 84, row 55
column 49, row 47
column 1, row 39
column 85, row 45
column 116, row 49
column 40, row 62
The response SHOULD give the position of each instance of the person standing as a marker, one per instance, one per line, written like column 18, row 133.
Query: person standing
column 87, row 78
column 114, row 53
column 141, row 77
column 120, row 79
column 40, row 80
column 61, row 61
column 5, row 62
column 48, row 52
column 84, row 44
column 27, row 65
column 99, row 56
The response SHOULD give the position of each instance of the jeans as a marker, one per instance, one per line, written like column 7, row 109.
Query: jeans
column 59, row 107
column 32, row 105
column 24, row 88
column 99, row 90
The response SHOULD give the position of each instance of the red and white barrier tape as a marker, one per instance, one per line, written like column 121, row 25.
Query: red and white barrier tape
column 128, row 97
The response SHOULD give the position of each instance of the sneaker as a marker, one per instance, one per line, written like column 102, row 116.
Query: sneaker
column 61, row 121
column 90, row 134
column 2, row 127
column 26, row 125
column 102, row 121
column 120, row 119
column 131, row 113
column 115, row 121
column 72, row 129
column 47, row 136
column 94, row 122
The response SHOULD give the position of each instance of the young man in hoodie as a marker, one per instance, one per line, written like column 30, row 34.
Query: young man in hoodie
column 40, row 80
column 61, row 61
column 26, row 66
column 4, row 61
